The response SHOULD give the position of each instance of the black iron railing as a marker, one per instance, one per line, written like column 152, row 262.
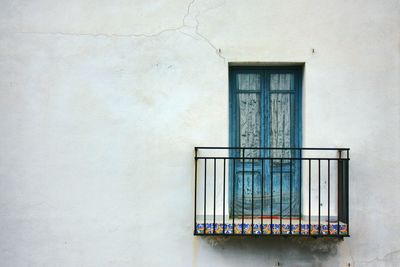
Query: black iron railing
column 271, row 191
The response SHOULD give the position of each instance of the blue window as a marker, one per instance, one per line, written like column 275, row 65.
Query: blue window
column 265, row 112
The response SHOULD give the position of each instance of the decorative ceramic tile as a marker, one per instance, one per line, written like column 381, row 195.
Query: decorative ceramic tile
column 257, row 229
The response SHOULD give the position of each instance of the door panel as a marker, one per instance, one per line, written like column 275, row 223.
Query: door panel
column 249, row 134
column 246, row 202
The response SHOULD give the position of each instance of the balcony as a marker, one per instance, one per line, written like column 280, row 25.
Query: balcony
column 271, row 192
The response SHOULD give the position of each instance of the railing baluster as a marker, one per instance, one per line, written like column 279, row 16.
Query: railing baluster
column 205, row 194
column 272, row 192
column 215, row 191
column 329, row 196
column 252, row 196
column 233, row 197
column 290, row 199
column 195, row 190
column 347, row 194
column 223, row 200
column 319, row 196
column 243, row 192
column 281, row 198
column 300, row 189
column 339, row 162
column 309, row 197
column 262, row 197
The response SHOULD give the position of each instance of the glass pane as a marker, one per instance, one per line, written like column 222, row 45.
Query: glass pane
column 282, row 81
column 280, row 124
column 248, row 81
column 250, row 123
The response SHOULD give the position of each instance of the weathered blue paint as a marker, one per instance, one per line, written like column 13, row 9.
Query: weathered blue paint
column 265, row 141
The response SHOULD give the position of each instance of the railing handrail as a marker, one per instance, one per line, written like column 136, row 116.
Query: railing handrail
column 294, row 157
column 275, row 148
column 272, row 158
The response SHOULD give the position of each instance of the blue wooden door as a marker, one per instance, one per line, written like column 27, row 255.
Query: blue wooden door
column 265, row 112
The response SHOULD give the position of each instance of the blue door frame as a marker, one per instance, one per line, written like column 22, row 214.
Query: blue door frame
column 273, row 181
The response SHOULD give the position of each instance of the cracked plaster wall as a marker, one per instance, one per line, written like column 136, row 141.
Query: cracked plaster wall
column 103, row 101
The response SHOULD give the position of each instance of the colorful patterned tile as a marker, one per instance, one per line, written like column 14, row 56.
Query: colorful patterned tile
column 266, row 229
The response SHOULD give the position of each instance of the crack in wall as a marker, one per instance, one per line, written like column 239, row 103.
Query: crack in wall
column 187, row 12
column 183, row 25
column 197, row 32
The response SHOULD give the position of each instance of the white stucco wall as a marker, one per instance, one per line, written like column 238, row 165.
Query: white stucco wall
column 102, row 102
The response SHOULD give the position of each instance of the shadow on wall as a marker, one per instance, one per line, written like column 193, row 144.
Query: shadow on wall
column 283, row 251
